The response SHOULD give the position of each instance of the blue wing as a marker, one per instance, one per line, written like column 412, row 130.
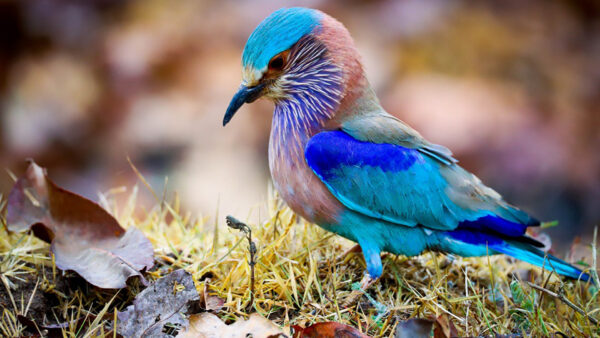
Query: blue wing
column 409, row 187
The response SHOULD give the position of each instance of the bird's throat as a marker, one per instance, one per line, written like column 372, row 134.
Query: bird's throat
column 292, row 177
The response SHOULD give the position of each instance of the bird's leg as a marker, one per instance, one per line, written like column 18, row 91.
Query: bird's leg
column 372, row 257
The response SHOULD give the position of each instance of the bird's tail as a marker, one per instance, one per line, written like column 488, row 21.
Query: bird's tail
column 470, row 243
column 530, row 254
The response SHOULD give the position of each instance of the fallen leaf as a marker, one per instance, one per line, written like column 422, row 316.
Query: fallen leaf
column 210, row 302
column 414, row 328
column 83, row 236
column 208, row 325
column 541, row 237
column 580, row 253
column 326, row 330
column 160, row 310
column 444, row 328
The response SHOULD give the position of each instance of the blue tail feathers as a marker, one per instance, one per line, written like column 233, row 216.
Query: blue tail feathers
column 473, row 243
column 535, row 256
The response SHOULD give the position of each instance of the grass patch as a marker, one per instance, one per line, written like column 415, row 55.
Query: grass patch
column 299, row 280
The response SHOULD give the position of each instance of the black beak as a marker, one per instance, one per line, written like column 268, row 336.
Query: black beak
column 243, row 95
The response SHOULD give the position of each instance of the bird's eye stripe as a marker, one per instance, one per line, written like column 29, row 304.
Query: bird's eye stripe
column 276, row 63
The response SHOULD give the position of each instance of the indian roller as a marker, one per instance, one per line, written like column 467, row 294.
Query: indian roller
column 341, row 161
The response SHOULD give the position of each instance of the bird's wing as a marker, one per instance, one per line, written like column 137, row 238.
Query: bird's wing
column 381, row 127
column 408, row 186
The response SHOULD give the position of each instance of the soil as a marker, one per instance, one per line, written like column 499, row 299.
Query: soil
column 44, row 307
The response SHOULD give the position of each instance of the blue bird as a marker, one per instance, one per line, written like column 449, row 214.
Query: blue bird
column 341, row 161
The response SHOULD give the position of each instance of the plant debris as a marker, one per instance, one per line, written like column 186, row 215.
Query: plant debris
column 210, row 302
column 235, row 224
column 57, row 330
column 208, row 325
column 444, row 327
column 441, row 327
column 413, row 328
column 84, row 237
column 327, row 330
column 160, row 310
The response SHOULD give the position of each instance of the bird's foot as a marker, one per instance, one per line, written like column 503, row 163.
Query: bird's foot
column 358, row 291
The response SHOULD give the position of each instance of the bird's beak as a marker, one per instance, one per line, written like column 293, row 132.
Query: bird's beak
column 243, row 95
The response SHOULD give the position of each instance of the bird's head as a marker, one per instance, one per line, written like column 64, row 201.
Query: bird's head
column 298, row 55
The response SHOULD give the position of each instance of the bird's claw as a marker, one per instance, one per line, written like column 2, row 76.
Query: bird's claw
column 359, row 290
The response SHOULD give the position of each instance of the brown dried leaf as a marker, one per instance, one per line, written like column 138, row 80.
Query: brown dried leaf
column 326, row 330
column 207, row 325
column 444, row 328
column 210, row 302
column 414, row 328
column 541, row 237
column 84, row 237
column 421, row 327
column 580, row 252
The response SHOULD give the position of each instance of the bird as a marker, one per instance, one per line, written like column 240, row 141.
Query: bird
column 339, row 160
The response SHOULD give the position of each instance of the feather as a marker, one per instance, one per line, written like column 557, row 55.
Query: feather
column 403, row 186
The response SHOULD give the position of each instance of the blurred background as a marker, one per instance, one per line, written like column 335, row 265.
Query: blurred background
column 512, row 87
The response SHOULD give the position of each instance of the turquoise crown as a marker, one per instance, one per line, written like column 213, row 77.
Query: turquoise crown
column 278, row 32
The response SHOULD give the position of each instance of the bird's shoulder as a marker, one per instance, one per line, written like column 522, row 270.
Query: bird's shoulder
column 377, row 126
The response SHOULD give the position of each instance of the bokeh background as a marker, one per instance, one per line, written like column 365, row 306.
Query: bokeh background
column 512, row 87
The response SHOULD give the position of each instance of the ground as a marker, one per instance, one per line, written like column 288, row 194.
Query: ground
column 300, row 278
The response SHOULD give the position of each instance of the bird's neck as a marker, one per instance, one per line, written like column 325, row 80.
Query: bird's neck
column 313, row 94
column 295, row 121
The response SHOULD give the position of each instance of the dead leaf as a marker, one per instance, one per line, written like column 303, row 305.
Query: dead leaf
column 210, row 302
column 421, row 327
column 414, row 328
column 160, row 310
column 444, row 328
column 580, row 253
column 208, row 325
column 326, row 330
column 84, row 237
column 541, row 237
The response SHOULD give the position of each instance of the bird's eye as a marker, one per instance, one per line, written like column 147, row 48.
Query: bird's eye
column 276, row 63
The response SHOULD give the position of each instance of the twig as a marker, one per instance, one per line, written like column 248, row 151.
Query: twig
column 2, row 212
column 493, row 279
column 37, row 282
column 12, row 300
column 235, row 224
column 595, row 263
column 275, row 232
column 565, row 300
column 215, row 244
column 143, row 179
column 537, row 307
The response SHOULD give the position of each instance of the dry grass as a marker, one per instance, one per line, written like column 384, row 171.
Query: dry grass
column 298, row 280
